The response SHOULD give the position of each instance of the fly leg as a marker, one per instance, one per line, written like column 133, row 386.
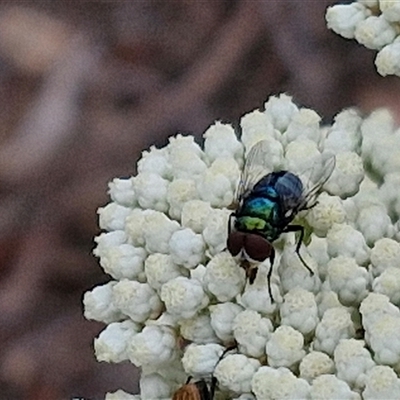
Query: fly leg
column 230, row 222
column 229, row 227
column 214, row 382
column 309, row 206
column 213, row 386
column 251, row 273
column 299, row 228
column 271, row 260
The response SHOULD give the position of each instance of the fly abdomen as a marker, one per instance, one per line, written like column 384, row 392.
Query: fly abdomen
column 284, row 184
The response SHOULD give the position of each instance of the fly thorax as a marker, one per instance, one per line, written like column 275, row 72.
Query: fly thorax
column 251, row 224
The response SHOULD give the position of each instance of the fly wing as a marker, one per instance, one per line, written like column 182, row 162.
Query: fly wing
column 291, row 192
column 255, row 167
column 317, row 179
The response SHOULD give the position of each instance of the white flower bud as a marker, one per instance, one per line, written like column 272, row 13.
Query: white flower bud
column 200, row 360
column 381, row 383
column 384, row 254
column 345, row 134
column 383, row 338
column 215, row 188
column 352, row 362
column 328, row 211
column 374, row 307
column 388, row 283
column 111, row 345
column 388, row 59
column 151, row 191
column 293, row 272
column 198, row 329
column 281, row 110
column 344, row 240
column 121, row 395
column 221, row 141
column 215, row 231
column 183, row 297
column 274, row 149
column 134, row 225
column 224, row 278
column 278, row 383
column 112, row 216
column 330, row 387
column 336, row 324
column 368, row 196
column 99, row 306
column 160, row 269
column 187, row 165
column 155, row 345
column 155, row 161
column 235, row 371
column 315, row 364
column 256, row 126
column 385, row 155
column 198, row 273
column 137, row 300
column 108, row 240
column 285, row 347
column 375, row 32
column 388, row 193
column 351, row 209
column 304, row 125
column 251, row 333
column 326, row 299
column 185, row 157
column 179, row 143
column 121, row 191
column 228, row 167
column 390, row 10
column 256, row 297
column 295, row 160
column 154, row 386
column 347, row 175
column 348, row 280
column 222, row 317
column 172, row 372
column 179, row 192
column 124, row 261
column 318, row 250
column 344, row 18
column 157, row 231
column 299, row 310
column 187, row 248
column 380, row 121
column 195, row 215
column 374, row 223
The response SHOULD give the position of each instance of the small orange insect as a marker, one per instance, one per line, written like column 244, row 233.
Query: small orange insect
column 196, row 390
column 199, row 390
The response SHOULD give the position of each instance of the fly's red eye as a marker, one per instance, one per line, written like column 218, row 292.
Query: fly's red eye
column 257, row 248
column 235, row 242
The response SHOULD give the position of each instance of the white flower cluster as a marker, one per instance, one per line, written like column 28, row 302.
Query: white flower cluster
column 374, row 24
column 177, row 297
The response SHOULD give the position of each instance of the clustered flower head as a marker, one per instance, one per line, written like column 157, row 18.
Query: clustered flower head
column 374, row 24
column 177, row 298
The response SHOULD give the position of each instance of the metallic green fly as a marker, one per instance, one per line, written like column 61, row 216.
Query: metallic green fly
column 266, row 203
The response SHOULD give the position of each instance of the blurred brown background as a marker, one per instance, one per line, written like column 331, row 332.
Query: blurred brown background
column 84, row 88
